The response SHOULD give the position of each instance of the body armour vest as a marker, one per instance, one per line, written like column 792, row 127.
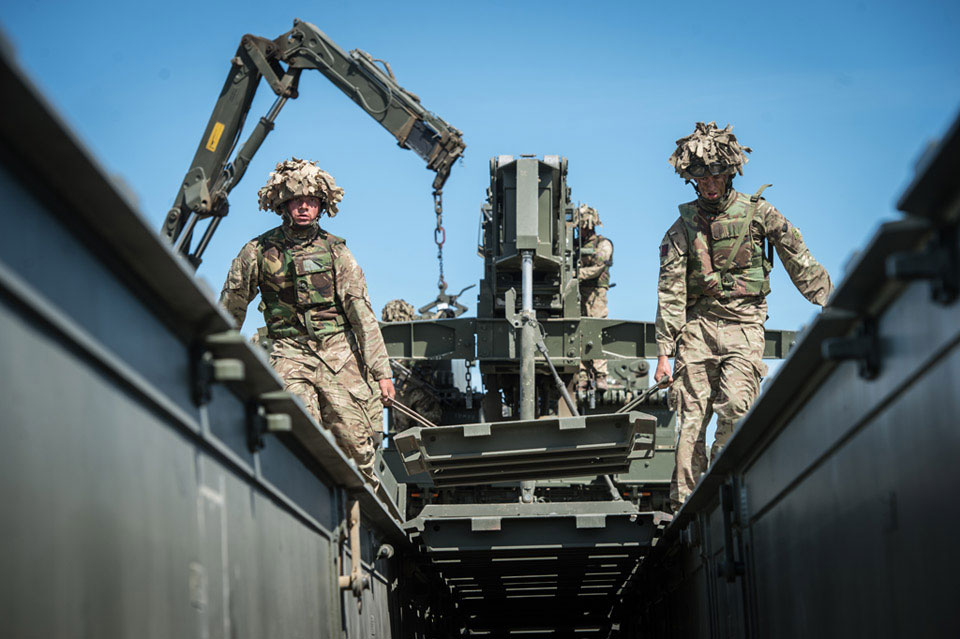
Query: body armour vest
column 298, row 285
column 590, row 259
column 712, row 268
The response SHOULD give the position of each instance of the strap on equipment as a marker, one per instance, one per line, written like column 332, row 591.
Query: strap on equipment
column 754, row 199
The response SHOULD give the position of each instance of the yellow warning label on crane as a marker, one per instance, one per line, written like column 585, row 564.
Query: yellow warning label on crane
column 214, row 139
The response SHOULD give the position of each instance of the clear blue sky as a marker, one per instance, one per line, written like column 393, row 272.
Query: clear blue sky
column 838, row 100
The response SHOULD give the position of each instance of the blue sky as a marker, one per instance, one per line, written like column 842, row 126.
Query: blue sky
column 837, row 99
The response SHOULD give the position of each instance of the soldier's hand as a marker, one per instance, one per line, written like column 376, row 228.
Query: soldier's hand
column 663, row 372
column 387, row 391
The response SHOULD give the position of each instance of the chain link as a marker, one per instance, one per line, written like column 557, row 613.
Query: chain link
column 469, row 376
column 439, row 235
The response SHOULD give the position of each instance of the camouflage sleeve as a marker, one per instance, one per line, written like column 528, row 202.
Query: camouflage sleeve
column 672, row 289
column 241, row 285
column 603, row 258
column 352, row 291
column 810, row 278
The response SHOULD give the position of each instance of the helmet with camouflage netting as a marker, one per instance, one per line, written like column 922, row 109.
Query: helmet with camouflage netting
column 587, row 217
column 295, row 178
column 398, row 311
column 709, row 151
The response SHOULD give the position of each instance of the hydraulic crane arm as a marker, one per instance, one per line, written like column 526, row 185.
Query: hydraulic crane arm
column 204, row 190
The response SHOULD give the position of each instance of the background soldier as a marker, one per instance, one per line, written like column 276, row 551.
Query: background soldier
column 398, row 311
column 596, row 258
column 714, row 277
column 327, row 346
column 412, row 389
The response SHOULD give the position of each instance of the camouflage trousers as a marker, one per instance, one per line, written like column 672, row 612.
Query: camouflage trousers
column 593, row 303
column 723, row 368
column 346, row 401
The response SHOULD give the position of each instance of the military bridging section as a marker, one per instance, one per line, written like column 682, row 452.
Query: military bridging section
column 528, row 334
column 534, row 569
column 174, row 489
column 546, row 448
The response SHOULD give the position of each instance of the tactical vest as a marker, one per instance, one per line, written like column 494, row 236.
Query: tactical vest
column 590, row 259
column 298, row 286
column 712, row 269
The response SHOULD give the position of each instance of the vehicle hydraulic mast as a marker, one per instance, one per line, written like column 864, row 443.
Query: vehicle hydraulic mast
column 204, row 190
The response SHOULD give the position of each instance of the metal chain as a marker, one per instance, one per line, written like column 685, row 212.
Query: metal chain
column 469, row 376
column 439, row 235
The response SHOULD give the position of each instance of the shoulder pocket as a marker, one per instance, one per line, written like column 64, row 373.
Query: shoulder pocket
column 678, row 241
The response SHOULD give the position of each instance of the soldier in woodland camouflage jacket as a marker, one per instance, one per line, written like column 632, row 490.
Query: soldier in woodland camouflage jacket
column 715, row 263
column 327, row 345
column 596, row 258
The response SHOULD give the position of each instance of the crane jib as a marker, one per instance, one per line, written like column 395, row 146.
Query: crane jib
column 213, row 174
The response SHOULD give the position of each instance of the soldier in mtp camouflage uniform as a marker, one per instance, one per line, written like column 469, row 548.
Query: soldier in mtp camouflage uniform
column 715, row 263
column 596, row 258
column 327, row 345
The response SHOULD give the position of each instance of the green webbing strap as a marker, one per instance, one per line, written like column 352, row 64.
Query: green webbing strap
column 743, row 231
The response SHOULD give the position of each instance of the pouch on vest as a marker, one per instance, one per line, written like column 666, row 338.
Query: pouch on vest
column 724, row 233
column 316, row 294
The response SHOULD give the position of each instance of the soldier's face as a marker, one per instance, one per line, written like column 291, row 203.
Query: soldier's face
column 304, row 209
column 712, row 187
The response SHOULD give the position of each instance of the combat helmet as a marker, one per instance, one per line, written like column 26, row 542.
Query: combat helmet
column 294, row 178
column 587, row 217
column 398, row 311
column 709, row 151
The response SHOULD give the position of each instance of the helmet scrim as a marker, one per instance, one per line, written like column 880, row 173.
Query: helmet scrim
column 587, row 217
column 398, row 311
column 709, row 151
column 295, row 178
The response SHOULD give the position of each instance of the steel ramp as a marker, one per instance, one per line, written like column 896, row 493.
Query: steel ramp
column 552, row 568
column 468, row 454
